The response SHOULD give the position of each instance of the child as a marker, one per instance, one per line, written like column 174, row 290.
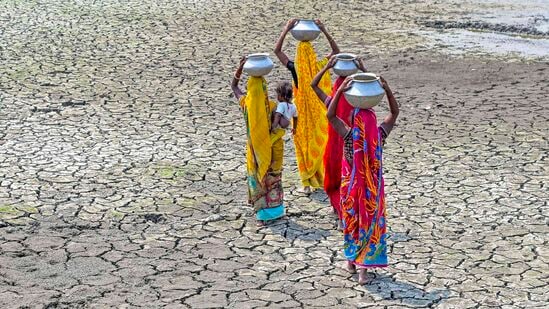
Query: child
column 285, row 111
column 362, row 188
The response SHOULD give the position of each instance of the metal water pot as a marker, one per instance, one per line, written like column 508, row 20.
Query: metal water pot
column 345, row 64
column 258, row 64
column 305, row 30
column 366, row 91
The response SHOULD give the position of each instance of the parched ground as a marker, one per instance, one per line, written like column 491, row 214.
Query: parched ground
column 122, row 163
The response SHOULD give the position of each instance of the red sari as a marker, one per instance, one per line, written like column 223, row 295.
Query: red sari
column 334, row 152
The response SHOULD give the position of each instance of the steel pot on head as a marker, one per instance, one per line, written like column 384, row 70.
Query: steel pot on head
column 345, row 64
column 365, row 92
column 258, row 64
column 305, row 30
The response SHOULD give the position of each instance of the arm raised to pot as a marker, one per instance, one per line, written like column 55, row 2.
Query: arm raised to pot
column 338, row 124
column 278, row 47
column 333, row 44
column 314, row 83
column 360, row 64
column 390, row 120
column 238, row 93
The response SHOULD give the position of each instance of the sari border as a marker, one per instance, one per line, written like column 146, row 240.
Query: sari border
column 271, row 213
column 359, row 265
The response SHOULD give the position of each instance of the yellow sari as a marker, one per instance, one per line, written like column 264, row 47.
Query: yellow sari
column 312, row 130
column 264, row 152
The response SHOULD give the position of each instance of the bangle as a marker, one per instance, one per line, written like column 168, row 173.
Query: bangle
column 234, row 75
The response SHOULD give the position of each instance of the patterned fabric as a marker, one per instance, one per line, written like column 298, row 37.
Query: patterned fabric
column 334, row 148
column 264, row 152
column 348, row 143
column 362, row 195
column 348, row 147
column 311, row 134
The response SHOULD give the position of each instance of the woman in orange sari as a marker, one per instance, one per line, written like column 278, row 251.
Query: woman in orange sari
column 362, row 187
column 311, row 136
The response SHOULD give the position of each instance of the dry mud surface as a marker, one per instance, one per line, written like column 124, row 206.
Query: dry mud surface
column 122, row 152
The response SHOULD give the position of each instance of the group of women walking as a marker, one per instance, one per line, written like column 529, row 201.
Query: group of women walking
column 337, row 147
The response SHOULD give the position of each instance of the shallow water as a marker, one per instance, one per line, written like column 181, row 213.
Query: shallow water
column 533, row 13
column 502, row 27
column 460, row 41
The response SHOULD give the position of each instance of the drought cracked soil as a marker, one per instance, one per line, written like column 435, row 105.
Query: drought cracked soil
column 122, row 152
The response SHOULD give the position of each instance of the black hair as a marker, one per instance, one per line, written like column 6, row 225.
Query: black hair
column 285, row 90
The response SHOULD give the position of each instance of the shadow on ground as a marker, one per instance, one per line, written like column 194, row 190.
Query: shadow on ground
column 291, row 230
column 390, row 289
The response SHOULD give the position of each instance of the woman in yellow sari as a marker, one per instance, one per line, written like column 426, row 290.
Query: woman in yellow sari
column 264, row 149
column 311, row 136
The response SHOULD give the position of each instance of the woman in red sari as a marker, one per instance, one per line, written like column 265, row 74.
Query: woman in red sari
column 362, row 187
column 334, row 147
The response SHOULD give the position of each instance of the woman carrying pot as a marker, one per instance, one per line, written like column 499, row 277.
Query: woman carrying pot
column 334, row 147
column 264, row 149
column 362, row 187
column 311, row 136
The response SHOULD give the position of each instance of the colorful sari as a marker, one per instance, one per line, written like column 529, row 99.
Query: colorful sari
column 334, row 152
column 311, row 134
column 362, row 195
column 264, row 152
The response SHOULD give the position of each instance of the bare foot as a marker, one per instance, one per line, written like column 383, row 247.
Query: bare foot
column 362, row 276
column 305, row 190
column 260, row 223
column 351, row 267
column 339, row 225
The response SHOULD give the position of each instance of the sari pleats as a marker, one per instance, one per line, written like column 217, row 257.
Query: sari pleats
column 311, row 134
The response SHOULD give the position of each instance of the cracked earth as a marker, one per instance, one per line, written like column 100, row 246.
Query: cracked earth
column 122, row 163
